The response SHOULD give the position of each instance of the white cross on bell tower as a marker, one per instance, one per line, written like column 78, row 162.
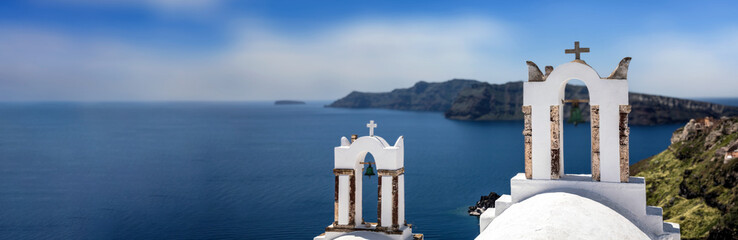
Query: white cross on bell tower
column 371, row 125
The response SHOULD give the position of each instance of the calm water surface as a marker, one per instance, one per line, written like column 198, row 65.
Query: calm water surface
column 244, row 170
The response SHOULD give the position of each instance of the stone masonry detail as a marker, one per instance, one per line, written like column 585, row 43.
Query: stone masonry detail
column 555, row 142
column 624, row 143
column 595, row 120
column 528, row 135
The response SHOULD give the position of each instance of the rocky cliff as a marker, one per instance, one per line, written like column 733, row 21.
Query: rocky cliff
column 486, row 101
column 653, row 109
column 693, row 180
column 479, row 101
column 423, row 96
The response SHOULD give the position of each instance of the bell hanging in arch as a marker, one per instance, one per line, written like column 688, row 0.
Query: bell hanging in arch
column 369, row 171
column 575, row 116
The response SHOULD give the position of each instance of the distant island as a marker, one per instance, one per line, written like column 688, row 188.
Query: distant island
column 462, row 99
column 288, row 102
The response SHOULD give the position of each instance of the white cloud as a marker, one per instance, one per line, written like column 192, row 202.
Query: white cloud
column 373, row 55
column 259, row 63
column 262, row 62
column 685, row 65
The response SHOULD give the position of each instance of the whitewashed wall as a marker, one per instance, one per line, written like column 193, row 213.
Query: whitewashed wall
column 609, row 94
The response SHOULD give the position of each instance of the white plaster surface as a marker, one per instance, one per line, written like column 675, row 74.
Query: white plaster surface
column 360, row 235
column 386, row 156
column 386, row 201
column 501, row 204
column 363, row 236
column 561, row 216
column 343, row 200
column 608, row 93
column 486, row 218
column 628, row 199
column 345, row 141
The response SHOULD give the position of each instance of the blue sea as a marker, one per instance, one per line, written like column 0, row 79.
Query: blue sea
column 251, row 170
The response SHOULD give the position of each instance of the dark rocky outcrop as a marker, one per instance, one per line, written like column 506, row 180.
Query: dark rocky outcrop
column 483, row 204
column 480, row 101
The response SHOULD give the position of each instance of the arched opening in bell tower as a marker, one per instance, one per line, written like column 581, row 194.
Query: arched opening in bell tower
column 370, row 186
column 576, row 130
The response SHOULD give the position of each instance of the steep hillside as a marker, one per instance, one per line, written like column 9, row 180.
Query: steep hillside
column 479, row 101
column 484, row 102
column 423, row 96
column 693, row 181
column 488, row 102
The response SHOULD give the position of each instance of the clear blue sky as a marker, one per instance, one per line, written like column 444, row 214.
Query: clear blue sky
column 164, row 50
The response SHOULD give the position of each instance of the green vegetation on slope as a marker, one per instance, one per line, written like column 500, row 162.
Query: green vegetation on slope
column 693, row 182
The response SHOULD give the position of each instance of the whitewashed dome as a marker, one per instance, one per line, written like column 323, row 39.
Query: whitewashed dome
column 560, row 215
column 363, row 236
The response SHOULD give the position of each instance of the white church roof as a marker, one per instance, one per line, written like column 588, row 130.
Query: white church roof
column 363, row 236
column 561, row 215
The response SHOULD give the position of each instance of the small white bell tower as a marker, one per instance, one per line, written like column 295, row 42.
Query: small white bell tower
column 348, row 168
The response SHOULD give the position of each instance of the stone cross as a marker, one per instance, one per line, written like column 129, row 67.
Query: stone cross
column 576, row 51
column 371, row 125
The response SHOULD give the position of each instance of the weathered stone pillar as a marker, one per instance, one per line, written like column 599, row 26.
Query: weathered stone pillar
column 379, row 200
column 395, row 202
column 555, row 142
column 624, row 143
column 352, row 199
column 528, row 135
column 594, row 111
column 352, row 195
column 335, row 203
